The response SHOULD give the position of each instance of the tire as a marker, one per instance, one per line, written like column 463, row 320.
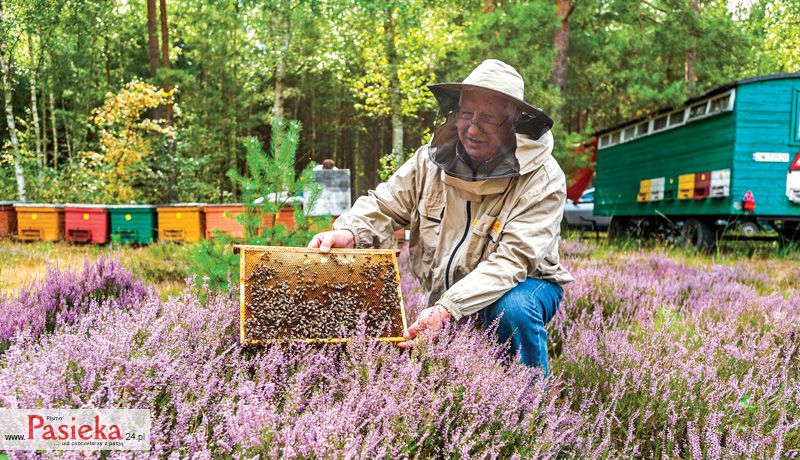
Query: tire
column 617, row 229
column 700, row 234
column 749, row 229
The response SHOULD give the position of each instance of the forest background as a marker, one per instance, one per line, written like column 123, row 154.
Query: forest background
column 150, row 101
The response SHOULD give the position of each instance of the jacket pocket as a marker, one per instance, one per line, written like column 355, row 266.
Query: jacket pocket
column 479, row 236
column 495, row 232
column 431, row 211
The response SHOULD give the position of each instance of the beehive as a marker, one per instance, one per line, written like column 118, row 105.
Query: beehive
column 181, row 222
column 285, row 216
column 8, row 219
column 299, row 294
column 86, row 223
column 40, row 222
column 222, row 218
column 133, row 223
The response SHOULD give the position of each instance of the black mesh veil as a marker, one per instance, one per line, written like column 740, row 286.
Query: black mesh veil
column 447, row 152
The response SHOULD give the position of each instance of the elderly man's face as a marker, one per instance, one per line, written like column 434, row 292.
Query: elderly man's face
column 483, row 123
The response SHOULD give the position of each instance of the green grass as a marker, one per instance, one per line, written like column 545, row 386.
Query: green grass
column 164, row 264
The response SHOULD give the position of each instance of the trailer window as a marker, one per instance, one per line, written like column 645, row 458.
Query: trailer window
column 641, row 130
column 719, row 104
column 660, row 123
column 629, row 133
column 615, row 137
column 676, row 118
column 698, row 110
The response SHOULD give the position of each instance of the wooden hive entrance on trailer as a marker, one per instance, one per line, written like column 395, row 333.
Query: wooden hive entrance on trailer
column 299, row 294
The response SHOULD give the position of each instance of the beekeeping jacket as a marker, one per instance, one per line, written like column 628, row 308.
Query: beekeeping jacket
column 471, row 241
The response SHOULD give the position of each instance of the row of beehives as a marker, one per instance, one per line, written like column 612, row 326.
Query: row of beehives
column 140, row 224
column 692, row 186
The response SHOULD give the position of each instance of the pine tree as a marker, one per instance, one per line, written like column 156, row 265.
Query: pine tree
column 270, row 186
column 273, row 185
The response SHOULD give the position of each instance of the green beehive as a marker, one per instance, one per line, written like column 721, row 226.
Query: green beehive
column 133, row 223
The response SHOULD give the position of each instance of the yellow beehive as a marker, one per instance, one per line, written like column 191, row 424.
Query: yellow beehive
column 644, row 191
column 40, row 222
column 302, row 295
column 181, row 222
column 686, row 186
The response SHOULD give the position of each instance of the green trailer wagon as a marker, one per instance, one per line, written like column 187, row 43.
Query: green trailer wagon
column 133, row 223
column 728, row 157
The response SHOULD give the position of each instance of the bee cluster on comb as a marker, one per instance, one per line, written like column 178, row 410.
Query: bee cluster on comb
column 300, row 294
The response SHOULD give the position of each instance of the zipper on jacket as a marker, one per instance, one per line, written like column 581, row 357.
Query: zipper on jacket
column 455, row 250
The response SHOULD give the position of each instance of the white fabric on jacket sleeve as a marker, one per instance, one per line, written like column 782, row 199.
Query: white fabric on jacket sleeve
column 375, row 216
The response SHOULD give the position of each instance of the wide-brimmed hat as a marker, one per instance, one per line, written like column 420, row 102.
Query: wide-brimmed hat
column 499, row 78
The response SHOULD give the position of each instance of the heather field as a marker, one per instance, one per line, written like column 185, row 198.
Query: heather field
column 655, row 354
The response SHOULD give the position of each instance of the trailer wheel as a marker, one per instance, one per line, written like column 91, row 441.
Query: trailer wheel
column 700, row 234
column 749, row 229
column 617, row 229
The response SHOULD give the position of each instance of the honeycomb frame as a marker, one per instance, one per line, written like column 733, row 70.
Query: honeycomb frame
column 293, row 265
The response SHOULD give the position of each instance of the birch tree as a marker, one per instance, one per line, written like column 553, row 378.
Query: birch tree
column 5, row 69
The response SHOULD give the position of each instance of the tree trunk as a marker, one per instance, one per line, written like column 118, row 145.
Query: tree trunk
column 152, row 36
column 489, row 6
column 313, row 125
column 53, row 122
column 280, row 69
column 395, row 94
column 12, row 129
column 397, row 137
column 34, row 109
column 43, row 110
column 165, row 54
column 561, row 46
column 691, row 57
column 66, row 128
column 107, row 56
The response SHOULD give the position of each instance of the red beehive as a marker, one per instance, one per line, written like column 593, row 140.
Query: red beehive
column 86, row 223
column 8, row 219
column 285, row 216
column 222, row 218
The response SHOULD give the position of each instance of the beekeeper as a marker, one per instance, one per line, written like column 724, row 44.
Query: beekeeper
column 484, row 202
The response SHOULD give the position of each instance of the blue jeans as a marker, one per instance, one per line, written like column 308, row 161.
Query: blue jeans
column 523, row 312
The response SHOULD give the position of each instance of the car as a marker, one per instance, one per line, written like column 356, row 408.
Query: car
column 580, row 214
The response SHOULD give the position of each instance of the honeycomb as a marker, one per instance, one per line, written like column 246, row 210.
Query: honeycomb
column 299, row 294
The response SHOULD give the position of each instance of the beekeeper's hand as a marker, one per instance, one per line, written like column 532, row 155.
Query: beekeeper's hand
column 430, row 320
column 333, row 239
